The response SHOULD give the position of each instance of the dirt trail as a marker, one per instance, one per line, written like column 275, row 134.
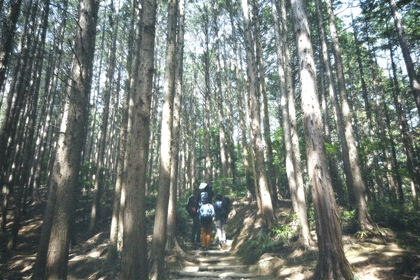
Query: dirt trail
column 214, row 263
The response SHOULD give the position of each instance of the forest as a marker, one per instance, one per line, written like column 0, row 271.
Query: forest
column 113, row 112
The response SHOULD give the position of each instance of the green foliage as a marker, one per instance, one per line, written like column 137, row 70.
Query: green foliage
column 182, row 219
column 362, row 234
column 348, row 221
column 398, row 218
column 332, row 149
column 271, row 240
column 151, row 205
column 262, row 243
column 311, row 216
column 87, row 172
column 282, row 232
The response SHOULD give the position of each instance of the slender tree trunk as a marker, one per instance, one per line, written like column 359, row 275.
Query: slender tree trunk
column 295, row 184
column 219, row 98
column 406, row 139
column 266, row 207
column 414, row 80
column 171, row 227
column 157, row 263
column 207, row 99
column 337, row 185
column 6, row 46
column 30, row 123
column 332, row 263
column 115, row 238
column 15, row 101
column 356, row 183
column 368, row 109
column 70, row 145
column 240, row 89
column 96, row 210
column 134, row 263
column 271, row 174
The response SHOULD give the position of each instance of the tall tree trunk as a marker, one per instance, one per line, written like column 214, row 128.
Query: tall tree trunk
column 134, row 263
column 8, row 34
column 294, row 177
column 334, row 104
column 70, row 145
column 30, row 123
column 406, row 138
column 414, row 80
column 171, row 227
column 96, row 210
column 219, row 98
column 157, row 263
column 332, row 263
column 117, row 209
column 356, row 182
column 242, row 123
column 16, row 101
column 271, row 174
column 255, row 127
column 207, row 92
column 368, row 109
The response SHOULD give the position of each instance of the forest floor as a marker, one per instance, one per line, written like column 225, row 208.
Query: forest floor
column 395, row 258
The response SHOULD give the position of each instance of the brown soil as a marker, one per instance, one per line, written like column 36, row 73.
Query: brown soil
column 370, row 258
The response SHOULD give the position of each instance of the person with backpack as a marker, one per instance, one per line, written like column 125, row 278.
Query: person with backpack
column 220, row 218
column 207, row 188
column 192, row 207
column 206, row 214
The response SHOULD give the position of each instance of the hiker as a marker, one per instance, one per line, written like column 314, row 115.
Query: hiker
column 192, row 208
column 206, row 214
column 220, row 219
column 208, row 188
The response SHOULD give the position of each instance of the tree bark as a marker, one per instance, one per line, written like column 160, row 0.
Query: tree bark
column 332, row 262
column 335, row 107
column 406, row 138
column 255, row 127
column 292, row 159
column 271, row 174
column 8, row 33
column 414, row 80
column 64, row 181
column 353, row 170
column 157, row 264
column 219, row 98
column 134, row 263
column 171, row 227
column 96, row 210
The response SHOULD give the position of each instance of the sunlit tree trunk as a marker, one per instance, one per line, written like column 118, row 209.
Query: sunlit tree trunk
column 207, row 94
column 295, row 184
column 242, row 123
column 61, row 203
column 134, row 263
column 29, row 124
column 99, row 177
column 406, row 138
column 353, row 170
column 176, row 127
column 255, row 127
column 332, row 263
column 414, row 80
column 271, row 174
column 219, row 98
column 15, row 107
column 157, row 264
